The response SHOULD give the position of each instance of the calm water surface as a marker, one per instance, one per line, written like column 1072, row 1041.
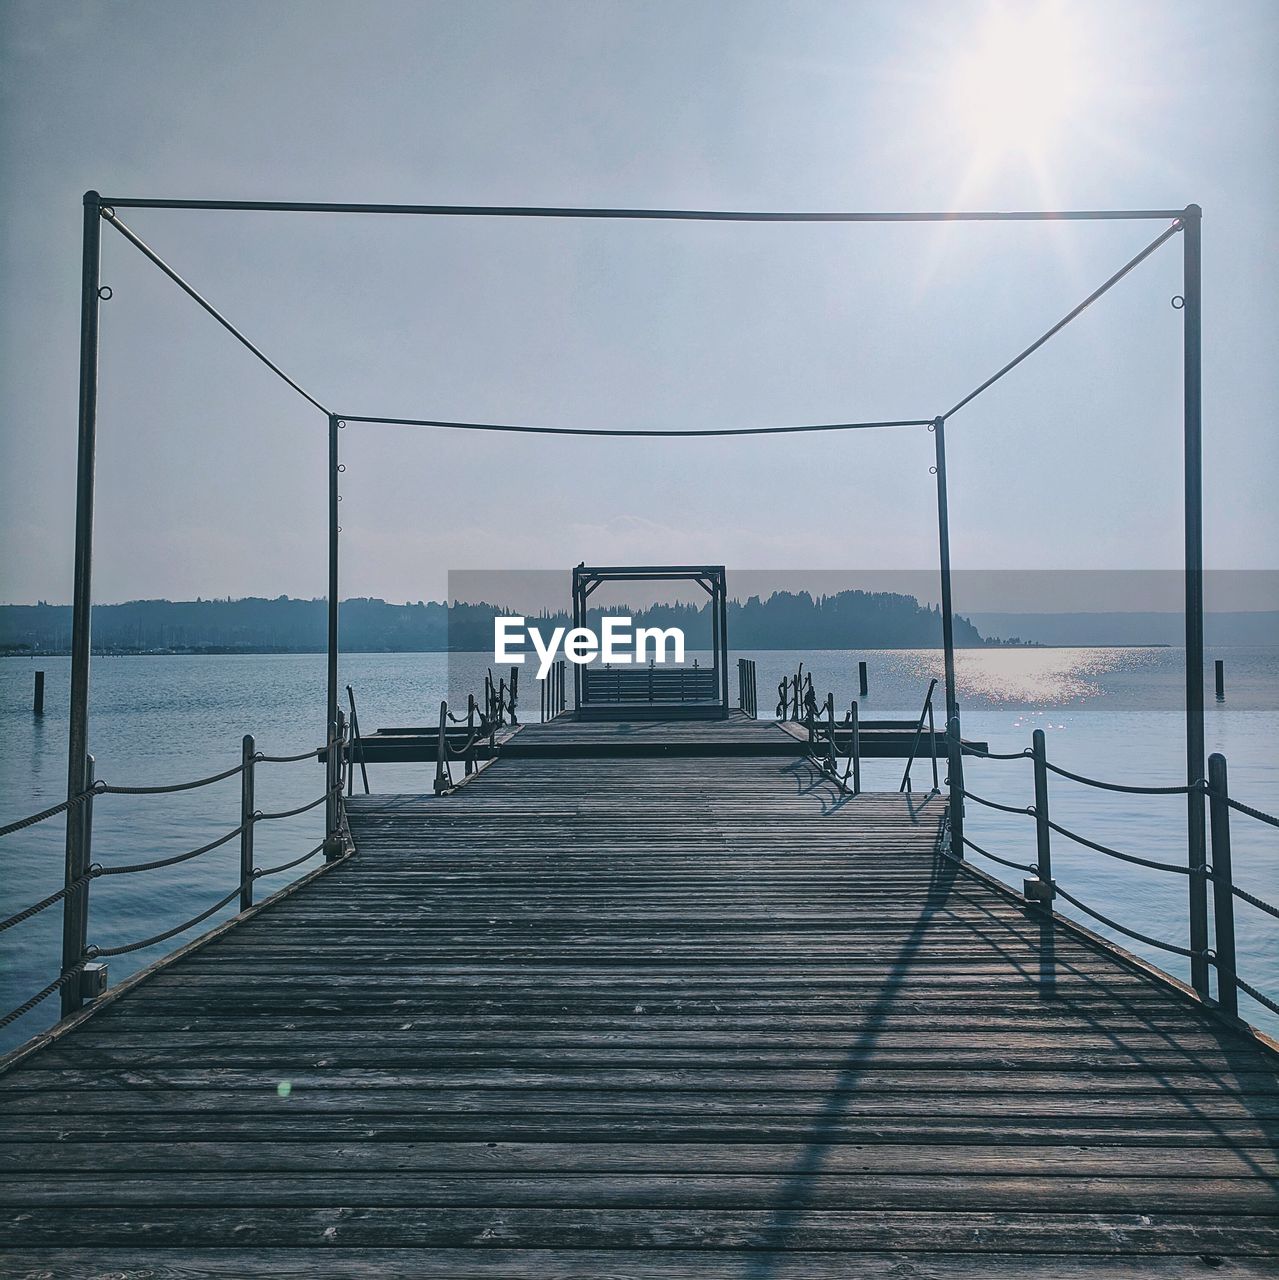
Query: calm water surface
column 1110, row 713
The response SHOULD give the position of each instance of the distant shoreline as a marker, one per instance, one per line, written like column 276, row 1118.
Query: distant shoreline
column 214, row 652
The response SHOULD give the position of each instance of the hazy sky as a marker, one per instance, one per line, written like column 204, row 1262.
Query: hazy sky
column 211, row 475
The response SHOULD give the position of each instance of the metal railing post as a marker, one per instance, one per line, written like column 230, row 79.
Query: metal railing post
column 75, row 906
column 333, row 782
column 1041, row 890
column 469, row 762
column 830, row 731
column 441, row 746
column 932, row 747
column 1222, row 885
column 855, row 746
column 248, row 754
column 955, row 779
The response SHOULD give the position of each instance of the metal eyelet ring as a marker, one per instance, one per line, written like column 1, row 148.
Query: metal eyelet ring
column 107, row 211
column 341, row 466
column 341, row 424
column 104, row 292
column 339, row 528
column 932, row 471
column 932, row 426
column 339, row 497
column 1178, row 302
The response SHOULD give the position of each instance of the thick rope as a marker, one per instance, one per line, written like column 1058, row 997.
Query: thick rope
column 1115, row 853
column 1234, row 804
column 174, row 860
column 56, row 985
column 1132, row 933
column 1003, row 808
column 52, row 812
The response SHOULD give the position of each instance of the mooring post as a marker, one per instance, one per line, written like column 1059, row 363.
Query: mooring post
column 75, row 913
column 1219, row 670
column 830, row 729
column 441, row 746
column 248, row 759
column 863, row 685
column 855, row 746
column 469, row 762
column 333, row 848
column 37, row 705
column 1041, row 890
column 1193, row 447
column 1223, row 890
column 77, row 837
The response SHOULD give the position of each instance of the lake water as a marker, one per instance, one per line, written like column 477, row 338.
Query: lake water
column 1109, row 713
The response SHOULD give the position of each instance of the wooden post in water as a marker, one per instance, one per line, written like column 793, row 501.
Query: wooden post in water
column 863, row 685
column 1219, row 670
column 38, row 705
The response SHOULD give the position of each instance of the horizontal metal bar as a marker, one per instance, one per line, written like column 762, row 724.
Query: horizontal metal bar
column 664, row 215
column 602, row 431
column 1128, row 266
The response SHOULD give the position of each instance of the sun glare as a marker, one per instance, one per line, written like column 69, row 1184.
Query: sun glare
column 1017, row 82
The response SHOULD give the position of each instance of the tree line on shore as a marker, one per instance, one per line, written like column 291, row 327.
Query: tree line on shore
column 784, row 620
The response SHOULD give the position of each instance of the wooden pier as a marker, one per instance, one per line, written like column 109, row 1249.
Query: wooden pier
column 653, row 1015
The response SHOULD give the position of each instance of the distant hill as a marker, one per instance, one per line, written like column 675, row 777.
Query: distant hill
column 849, row 619
column 1136, row 629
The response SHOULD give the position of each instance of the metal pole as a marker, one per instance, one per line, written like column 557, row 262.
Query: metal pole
column 75, row 915
column 953, row 737
column 1043, row 890
column 943, row 550
column 1222, row 884
column 723, row 643
column 441, row 746
column 77, row 838
column 248, row 753
column 1193, row 440
column 855, row 735
column 331, row 712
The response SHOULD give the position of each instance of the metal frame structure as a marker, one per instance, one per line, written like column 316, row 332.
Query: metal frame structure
column 1187, row 221
column 710, row 577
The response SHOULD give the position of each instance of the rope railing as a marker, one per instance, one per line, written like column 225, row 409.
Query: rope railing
column 1248, row 811
column 1126, row 788
column 134, row 867
column 1024, row 812
column 994, row 857
column 1043, row 889
column 52, row 812
column 260, row 816
column 484, row 717
column 74, row 893
column 56, row 985
column 969, row 749
column 1124, row 929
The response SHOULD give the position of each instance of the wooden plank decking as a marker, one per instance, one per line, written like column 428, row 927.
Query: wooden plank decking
column 644, row 1018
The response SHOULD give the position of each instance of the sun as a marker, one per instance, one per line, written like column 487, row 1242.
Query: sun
column 1017, row 82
